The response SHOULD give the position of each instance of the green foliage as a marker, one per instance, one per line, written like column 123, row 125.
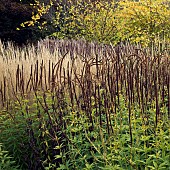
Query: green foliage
column 88, row 149
column 97, row 150
column 30, row 134
column 14, row 135
column 6, row 162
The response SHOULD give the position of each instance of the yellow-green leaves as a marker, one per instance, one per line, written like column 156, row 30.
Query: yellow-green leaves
column 143, row 21
column 39, row 9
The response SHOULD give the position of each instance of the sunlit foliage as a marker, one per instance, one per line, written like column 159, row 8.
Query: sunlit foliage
column 144, row 21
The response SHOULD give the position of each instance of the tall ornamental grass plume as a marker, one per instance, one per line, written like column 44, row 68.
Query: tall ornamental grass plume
column 69, row 104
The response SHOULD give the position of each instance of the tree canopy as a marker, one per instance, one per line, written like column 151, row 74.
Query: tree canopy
column 106, row 21
column 12, row 14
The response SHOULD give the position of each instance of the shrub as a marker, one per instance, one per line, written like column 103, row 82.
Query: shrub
column 6, row 162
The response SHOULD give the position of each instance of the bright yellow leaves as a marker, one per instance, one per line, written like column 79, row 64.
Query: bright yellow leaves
column 40, row 10
column 142, row 21
column 95, row 20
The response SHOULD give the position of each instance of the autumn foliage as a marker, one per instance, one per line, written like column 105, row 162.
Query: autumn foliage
column 144, row 22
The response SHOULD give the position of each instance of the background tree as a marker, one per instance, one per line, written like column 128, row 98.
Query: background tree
column 146, row 21
column 106, row 21
column 93, row 20
column 12, row 14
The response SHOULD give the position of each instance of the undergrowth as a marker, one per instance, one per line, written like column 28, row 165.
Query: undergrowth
column 41, row 139
column 6, row 161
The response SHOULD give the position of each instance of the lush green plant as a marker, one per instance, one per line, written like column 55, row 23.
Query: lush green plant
column 95, row 149
column 14, row 134
column 6, row 162
column 98, row 150
column 30, row 133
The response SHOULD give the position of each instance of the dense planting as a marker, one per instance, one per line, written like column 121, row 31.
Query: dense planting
column 79, row 105
column 100, row 101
